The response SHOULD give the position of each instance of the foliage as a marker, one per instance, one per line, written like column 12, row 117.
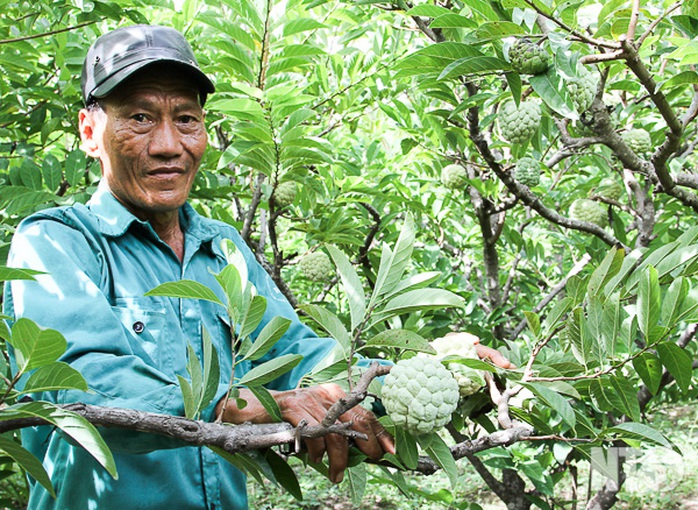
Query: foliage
column 362, row 105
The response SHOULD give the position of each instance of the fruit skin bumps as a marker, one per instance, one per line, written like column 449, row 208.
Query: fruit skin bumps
column 527, row 172
column 609, row 188
column 583, row 89
column 587, row 210
column 285, row 193
column 528, row 58
column 638, row 140
column 469, row 380
column 517, row 125
column 454, row 176
column 420, row 394
column 316, row 266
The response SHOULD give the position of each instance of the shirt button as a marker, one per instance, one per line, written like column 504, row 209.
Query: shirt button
column 138, row 327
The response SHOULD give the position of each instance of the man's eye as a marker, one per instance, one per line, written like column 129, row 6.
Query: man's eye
column 139, row 117
column 187, row 119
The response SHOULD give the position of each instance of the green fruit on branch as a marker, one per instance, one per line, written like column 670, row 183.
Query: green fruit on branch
column 527, row 172
column 609, row 188
column 285, row 193
column 638, row 140
column 462, row 345
column 590, row 211
column 420, row 394
column 454, row 176
column 316, row 266
column 517, row 125
column 583, row 89
column 528, row 58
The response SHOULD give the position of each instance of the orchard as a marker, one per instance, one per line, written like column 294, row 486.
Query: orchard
column 520, row 170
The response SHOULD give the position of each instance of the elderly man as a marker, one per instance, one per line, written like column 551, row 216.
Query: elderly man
column 144, row 121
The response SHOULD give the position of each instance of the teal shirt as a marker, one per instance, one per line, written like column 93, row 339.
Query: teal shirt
column 100, row 260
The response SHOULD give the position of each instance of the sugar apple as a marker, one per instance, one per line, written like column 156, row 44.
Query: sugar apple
column 583, row 89
column 528, row 58
column 316, row 266
column 609, row 188
column 420, row 394
column 462, row 345
column 285, row 193
column 517, row 125
column 638, row 140
column 527, row 172
column 587, row 210
column 454, row 176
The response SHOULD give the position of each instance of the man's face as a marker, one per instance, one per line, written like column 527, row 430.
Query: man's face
column 149, row 137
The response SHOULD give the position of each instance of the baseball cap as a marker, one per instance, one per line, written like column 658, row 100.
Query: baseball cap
column 118, row 54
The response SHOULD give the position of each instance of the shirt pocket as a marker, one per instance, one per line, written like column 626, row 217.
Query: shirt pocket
column 145, row 326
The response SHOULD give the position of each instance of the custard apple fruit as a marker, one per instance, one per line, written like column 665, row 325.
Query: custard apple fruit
column 316, row 266
column 583, row 89
column 454, row 176
column 420, row 394
column 638, row 140
column 285, row 193
column 584, row 209
column 609, row 188
column 528, row 58
column 527, row 172
column 462, row 345
column 517, row 125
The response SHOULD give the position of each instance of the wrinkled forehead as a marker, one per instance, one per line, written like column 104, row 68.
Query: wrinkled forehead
column 157, row 80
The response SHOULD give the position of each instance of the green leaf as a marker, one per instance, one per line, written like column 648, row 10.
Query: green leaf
column 393, row 263
column 330, row 323
column 356, row 479
column 283, row 474
column 267, row 400
column 190, row 407
column 452, row 20
column 625, row 397
column 419, row 300
column 561, row 307
column 11, row 273
column 401, row 339
column 254, row 315
column 353, row 289
column 211, row 372
column 299, row 25
column 640, row 431
column 548, row 87
column 649, row 368
column 611, row 323
column 53, row 377
column 533, row 321
column 242, row 461
column 27, row 461
column 35, row 347
column 473, row 65
column 677, row 362
column 431, row 11
column 266, row 339
column 555, row 401
column 406, row 448
column 674, row 297
column 232, row 285
column 187, row 289
column 72, row 424
column 440, row 453
column 270, row 370
column 608, row 268
column 648, row 301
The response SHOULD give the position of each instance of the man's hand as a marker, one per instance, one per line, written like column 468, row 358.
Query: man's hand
column 311, row 404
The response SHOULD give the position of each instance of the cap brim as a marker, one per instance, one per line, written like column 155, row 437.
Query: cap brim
column 105, row 88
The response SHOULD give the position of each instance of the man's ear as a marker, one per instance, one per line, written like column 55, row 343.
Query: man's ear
column 90, row 133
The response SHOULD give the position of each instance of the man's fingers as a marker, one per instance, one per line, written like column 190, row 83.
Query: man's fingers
column 493, row 355
column 337, row 455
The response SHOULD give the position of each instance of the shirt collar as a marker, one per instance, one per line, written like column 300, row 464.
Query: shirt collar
column 114, row 219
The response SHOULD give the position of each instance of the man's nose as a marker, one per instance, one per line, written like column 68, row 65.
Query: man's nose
column 166, row 141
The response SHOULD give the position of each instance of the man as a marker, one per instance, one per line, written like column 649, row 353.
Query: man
column 144, row 121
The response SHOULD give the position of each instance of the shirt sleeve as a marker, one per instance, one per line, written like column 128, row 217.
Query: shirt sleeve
column 68, row 299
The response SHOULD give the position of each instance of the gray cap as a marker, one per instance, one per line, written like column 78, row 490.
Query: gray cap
column 118, row 54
